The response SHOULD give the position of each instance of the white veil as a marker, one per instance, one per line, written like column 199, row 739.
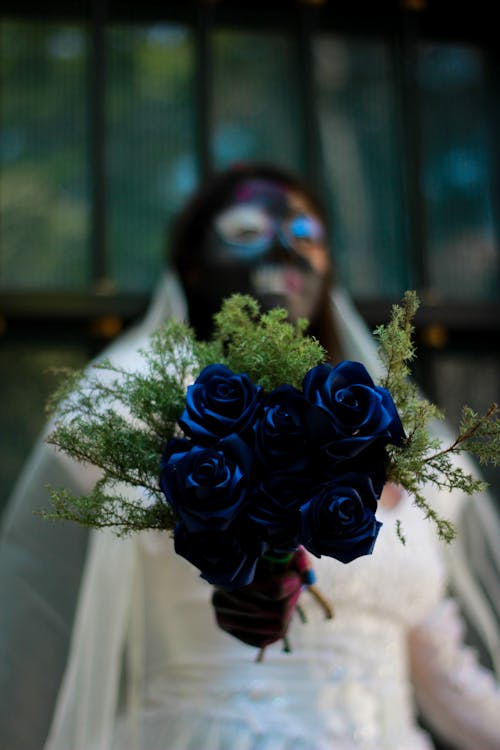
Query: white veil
column 41, row 566
column 106, row 634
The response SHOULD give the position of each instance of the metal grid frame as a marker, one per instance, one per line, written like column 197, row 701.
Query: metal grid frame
column 401, row 24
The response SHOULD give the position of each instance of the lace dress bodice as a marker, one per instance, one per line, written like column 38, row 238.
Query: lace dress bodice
column 345, row 684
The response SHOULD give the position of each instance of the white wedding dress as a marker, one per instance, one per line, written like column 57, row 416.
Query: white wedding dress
column 148, row 668
column 347, row 685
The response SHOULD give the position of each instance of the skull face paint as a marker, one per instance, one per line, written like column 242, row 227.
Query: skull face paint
column 267, row 242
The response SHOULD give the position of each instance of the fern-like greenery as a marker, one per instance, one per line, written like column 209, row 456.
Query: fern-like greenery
column 120, row 421
column 268, row 348
column 423, row 460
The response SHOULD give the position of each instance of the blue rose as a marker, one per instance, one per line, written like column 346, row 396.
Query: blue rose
column 281, row 440
column 206, row 486
column 226, row 559
column 333, row 460
column 275, row 508
column 350, row 409
column 219, row 403
column 339, row 521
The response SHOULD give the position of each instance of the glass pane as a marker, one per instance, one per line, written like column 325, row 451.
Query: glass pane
column 255, row 102
column 462, row 251
column 44, row 200
column 151, row 145
column 27, row 382
column 361, row 161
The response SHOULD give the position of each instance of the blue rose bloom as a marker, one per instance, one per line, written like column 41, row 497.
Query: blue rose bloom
column 225, row 559
column 219, row 403
column 275, row 509
column 339, row 521
column 206, row 486
column 281, row 440
column 334, row 460
column 350, row 409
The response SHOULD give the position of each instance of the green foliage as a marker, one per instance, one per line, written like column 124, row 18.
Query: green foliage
column 422, row 460
column 120, row 421
column 268, row 348
column 101, row 510
column 481, row 434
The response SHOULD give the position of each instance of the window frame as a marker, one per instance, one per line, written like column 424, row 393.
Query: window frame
column 401, row 25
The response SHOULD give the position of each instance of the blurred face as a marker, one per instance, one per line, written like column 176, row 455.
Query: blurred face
column 268, row 242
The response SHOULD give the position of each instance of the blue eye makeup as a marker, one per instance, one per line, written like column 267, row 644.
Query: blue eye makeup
column 305, row 228
column 249, row 230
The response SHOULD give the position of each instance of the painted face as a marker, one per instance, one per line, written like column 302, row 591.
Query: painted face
column 267, row 242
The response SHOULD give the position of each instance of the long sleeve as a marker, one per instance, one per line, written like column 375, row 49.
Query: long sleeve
column 458, row 697
column 474, row 571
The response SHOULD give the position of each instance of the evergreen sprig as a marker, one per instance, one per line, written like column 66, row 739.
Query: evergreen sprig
column 423, row 460
column 265, row 346
column 120, row 421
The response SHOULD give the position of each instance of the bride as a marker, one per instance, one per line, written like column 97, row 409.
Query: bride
column 132, row 657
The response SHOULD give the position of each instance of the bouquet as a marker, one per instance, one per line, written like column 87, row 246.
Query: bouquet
column 260, row 471
column 253, row 443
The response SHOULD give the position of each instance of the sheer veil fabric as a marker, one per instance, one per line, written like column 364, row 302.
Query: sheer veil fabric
column 134, row 657
column 41, row 565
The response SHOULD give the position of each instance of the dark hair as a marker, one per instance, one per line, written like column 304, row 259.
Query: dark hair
column 189, row 229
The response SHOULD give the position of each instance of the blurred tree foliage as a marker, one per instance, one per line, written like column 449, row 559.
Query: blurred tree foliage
column 43, row 151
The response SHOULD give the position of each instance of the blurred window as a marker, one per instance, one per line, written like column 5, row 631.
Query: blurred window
column 361, row 149
column 255, row 102
column 44, row 180
column 458, row 173
column 150, row 143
